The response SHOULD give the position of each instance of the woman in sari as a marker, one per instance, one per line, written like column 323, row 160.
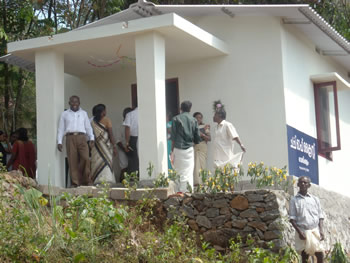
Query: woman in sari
column 105, row 147
column 201, row 149
column 23, row 155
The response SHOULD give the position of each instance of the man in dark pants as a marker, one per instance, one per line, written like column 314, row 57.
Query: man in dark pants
column 306, row 216
column 131, row 124
column 75, row 125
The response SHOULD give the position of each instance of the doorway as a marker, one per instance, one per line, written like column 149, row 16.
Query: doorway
column 171, row 96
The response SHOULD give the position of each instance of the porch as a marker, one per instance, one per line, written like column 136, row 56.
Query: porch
column 141, row 49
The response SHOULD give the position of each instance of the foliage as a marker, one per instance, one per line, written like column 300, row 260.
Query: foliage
column 227, row 178
column 338, row 254
column 163, row 181
column 223, row 180
column 70, row 228
column 130, row 182
column 264, row 176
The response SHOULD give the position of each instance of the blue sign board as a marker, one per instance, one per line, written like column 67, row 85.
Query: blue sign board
column 302, row 154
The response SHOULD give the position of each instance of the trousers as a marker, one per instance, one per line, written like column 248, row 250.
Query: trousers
column 78, row 159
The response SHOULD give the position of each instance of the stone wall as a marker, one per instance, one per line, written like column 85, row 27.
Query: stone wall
column 261, row 213
column 220, row 217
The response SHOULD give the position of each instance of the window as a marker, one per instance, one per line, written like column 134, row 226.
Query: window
column 327, row 118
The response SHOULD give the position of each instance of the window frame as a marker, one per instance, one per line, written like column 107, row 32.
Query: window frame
column 326, row 152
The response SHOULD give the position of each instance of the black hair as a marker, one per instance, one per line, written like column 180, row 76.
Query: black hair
column 221, row 113
column 1, row 132
column 99, row 109
column 306, row 177
column 94, row 111
column 197, row 113
column 22, row 134
column 74, row 97
column 186, row 106
column 126, row 111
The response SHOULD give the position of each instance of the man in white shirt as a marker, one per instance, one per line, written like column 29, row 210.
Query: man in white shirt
column 75, row 125
column 224, row 136
column 131, row 124
column 306, row 216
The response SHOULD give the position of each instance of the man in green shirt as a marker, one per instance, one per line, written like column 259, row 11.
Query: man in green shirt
column 184, row 134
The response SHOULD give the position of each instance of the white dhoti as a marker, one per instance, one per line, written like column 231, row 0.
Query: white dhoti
column 183, row 164
column 235, row 160
column 312, row 243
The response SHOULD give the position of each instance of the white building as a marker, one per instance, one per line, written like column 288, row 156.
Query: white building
column 262, row 61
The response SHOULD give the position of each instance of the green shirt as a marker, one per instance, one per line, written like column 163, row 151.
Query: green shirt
column 184, row 131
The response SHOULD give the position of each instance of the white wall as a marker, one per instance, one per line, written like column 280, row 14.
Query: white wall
column 248, row 81
column 110, row 88
column 300, row 61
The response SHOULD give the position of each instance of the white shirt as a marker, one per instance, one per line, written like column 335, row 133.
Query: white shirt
column 306, row 211
column 132, row 121
column 74, row 121
column 224, row 133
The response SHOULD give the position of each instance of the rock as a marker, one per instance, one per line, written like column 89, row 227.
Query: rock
column 203, row 221
column 240, row 203
column 219, row 196
column 220, row 203
column 278, row 244
column 269, row 235
column 255, row 198
column 219, row 220
column 262, row 192
column 172, row 213
column 188, row 211
column 258, row 225
column 250, row 192
column 239, row 223
column 212, row 212
column 198, row 196
column 234, row 212
column 228, row 224
column 172, row 201
column 269, row 215
column 187, row 201
column 275, row 225
column 208, row 202
column 271, row 205
column 225, row 211
column 220, row 237
column 260, row 234
column 219, row 249
column 199, row 205
column 248, row 229
column 270, row 197
column 249, row 213
column 260, row 209
column 193, row 225
column 257, row 204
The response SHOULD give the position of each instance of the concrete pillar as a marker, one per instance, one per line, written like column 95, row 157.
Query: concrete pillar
column 49, row 76
column 150, row 71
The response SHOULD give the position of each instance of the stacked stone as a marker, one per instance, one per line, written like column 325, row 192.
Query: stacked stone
column 221, row 217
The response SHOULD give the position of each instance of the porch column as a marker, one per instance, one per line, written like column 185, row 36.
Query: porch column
column 150, row 71
column 49, row 75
